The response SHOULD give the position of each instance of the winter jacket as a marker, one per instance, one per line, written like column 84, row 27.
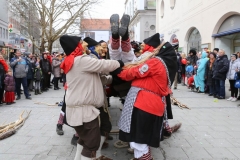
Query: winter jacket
column 192, row 60
column 20, row 68
column 209, row 74
column 56, row 67
column 31, row 66
column 220, row 67
column 9, row 83
column 45, row 65
column 233, row 65
column 38, row 74
column 3, row 70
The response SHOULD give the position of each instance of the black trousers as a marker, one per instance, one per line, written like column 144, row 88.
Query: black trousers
column 105, row 124
column 234, row 91
column 46, row 83
column 2, row 91
column 56, row 79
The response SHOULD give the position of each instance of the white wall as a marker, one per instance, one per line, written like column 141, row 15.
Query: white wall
column 206, row 15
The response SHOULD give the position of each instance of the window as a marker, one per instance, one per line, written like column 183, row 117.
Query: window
column 152, row 27
column 0, row 32
column 6, row 34
column 172, row 4
column 151, row 4
column 162, row 9
column 3, row 33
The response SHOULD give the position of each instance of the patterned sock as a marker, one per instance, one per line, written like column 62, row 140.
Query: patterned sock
column 76, row 135
column 146, row 156
column 115, row 43
column 126, row 45
column 60, row 120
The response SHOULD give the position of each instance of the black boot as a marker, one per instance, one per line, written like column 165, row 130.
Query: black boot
column 36, row 92
column 123, row 29
column 39, row 91
column 74, row 140
column 59, row 129
column 114, row 21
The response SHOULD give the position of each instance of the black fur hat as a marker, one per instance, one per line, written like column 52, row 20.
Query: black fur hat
column 69, row 43
column 91, row 42
column 153, row 41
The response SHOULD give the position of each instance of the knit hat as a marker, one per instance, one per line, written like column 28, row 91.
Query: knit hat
column 91, row 42
column 69, row 43
column 153, row 41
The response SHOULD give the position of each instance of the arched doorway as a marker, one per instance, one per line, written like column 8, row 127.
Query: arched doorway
column 228, row 35
column 194, row 40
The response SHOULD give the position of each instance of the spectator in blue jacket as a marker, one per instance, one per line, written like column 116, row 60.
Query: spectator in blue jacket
column 20, row 67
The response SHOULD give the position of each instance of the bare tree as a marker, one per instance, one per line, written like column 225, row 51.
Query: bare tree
column 53, row 17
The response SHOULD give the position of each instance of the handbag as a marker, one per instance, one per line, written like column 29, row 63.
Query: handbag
column 237, row 84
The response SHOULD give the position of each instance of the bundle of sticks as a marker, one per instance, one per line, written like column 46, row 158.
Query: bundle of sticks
column 176, row 102
column 11, row 128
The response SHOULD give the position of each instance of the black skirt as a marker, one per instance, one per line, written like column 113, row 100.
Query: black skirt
column 145, row 129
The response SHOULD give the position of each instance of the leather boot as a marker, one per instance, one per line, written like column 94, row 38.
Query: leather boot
column 36, row 92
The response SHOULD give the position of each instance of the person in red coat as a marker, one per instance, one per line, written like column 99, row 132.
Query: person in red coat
column 143, row 115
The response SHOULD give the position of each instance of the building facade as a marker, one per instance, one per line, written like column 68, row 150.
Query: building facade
column 3, row 23
column 143, row 18
column 98, row 29
column 200, row 23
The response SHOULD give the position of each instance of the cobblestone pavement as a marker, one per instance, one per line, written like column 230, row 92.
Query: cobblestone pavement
column 210, row 130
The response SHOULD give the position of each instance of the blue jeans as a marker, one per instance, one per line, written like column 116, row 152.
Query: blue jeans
column 220, row 87
column 22, row 81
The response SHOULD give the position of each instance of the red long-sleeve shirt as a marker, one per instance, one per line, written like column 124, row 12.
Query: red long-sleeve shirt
column 152, row 77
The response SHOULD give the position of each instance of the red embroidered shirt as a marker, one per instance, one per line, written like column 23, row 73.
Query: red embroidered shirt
column 152, row 77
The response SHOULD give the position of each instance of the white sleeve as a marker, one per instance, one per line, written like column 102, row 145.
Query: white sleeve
column 128, row 56
column 114, row 54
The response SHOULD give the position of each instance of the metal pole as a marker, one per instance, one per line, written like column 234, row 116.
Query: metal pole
column 33, row 49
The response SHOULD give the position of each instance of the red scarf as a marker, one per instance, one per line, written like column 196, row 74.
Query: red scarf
column 69, row 60
column 147, row 48
column 4, row 64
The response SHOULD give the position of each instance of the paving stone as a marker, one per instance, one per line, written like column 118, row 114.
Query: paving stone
column 235, row 142
column 29, row 149
column 15, row 139
column 38, row 140
column 61, row 151
column 235, row 151
column 4, row 147
column 220, row 143
column 198, row 143
column 175, row 143
column 221, row 153
column 15, row 157
column 44, row 157
column 197, row 153
column 174, row 153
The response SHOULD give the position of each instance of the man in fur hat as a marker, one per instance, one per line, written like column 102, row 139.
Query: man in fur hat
column 84, row 95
